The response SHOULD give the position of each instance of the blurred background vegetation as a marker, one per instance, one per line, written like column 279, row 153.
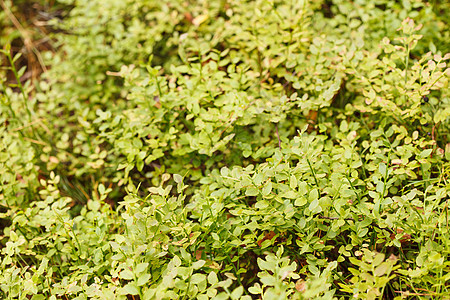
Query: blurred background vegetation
column 105, row 116
column 24, row 24
column 28, row 26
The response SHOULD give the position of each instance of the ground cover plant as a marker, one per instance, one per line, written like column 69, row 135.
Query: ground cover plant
column 225, row 149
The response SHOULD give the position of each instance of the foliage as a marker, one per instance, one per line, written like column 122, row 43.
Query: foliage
column 229, row 150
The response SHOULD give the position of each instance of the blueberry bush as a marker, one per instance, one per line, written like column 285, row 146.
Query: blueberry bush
column 228, row 149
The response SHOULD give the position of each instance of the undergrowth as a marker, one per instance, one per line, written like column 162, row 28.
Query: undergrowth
column 227, row 150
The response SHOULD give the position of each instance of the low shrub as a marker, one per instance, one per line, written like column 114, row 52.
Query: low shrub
column 229, row 150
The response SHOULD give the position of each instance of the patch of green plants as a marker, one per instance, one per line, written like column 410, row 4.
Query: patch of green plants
column 229, row 150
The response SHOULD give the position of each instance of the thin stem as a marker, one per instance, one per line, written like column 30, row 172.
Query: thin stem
column 314, row 174
column 406, row 70
column 278, row 136
column 19, row 83
column 353, row 188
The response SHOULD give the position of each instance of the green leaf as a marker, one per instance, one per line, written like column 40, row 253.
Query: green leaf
column 382, row 169
column 425, row 153
column 313, row 195
column 251, row 191
column 313, row 205
column 141, row 268
column 198, row 278
column 143, row 279
column 74, row 289
column 290, row 194
column 177, row 178
column 267, row 189
column 198, row 264
column 13, row 236
column 126, row 274
column 237, row 292
column 265, row 265
column 300, row 201
column 212, row 278
column 293, row 182
column 101, row 189
column 129, row 289
column 381, row 269
column 256, row 289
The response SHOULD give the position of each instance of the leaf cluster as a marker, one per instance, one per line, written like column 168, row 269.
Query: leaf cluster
column 230, row 150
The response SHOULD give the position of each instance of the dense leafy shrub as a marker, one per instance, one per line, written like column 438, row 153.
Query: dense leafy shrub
column 230, row 149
